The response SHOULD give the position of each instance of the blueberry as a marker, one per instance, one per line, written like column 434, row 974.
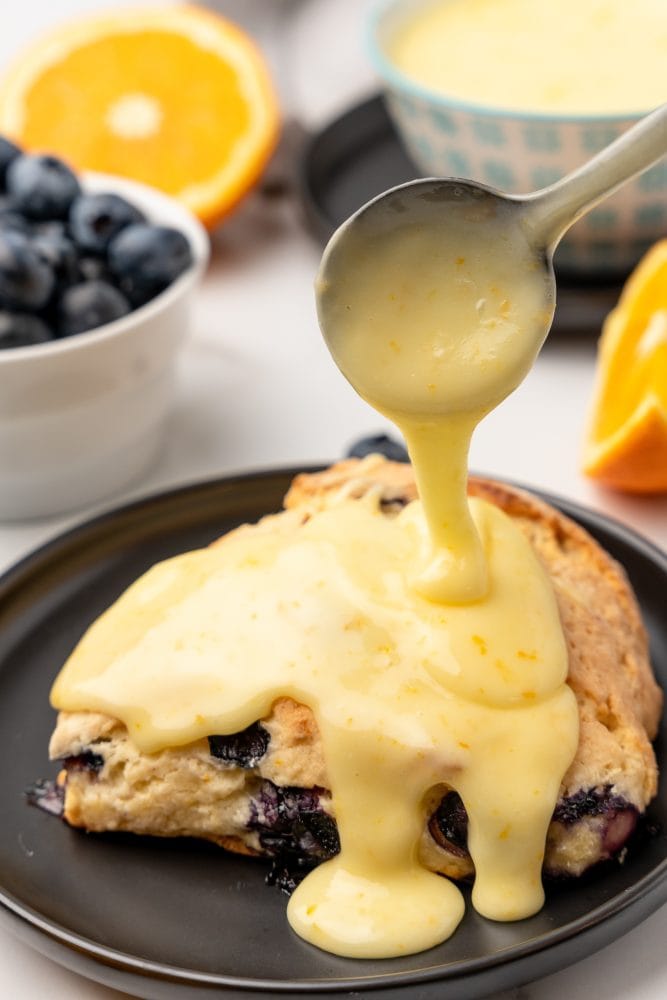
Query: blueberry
column 22, row 330
column 291, row 821
column 14, row 222
column 42, row 187
column 146, row 259
column 60, row 254
column 244, row 749
column 26, row 280
column 52, row 229
column 86, row 761
column 615, row 819
column 449, row 825
column 88, row 305
column 589, row 802
column 8, row 153
column 10, row 219
column 47, row 795
column 380, row 444
column 94, row 269
column 95, row 219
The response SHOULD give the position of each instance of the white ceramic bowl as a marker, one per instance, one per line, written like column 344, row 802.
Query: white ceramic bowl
column 83, row 416
column 519, row 152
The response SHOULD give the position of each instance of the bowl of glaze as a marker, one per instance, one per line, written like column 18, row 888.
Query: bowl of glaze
column 83, row 416
column 518, row 151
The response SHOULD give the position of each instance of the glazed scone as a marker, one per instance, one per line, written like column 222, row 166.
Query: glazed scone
column 265, row 791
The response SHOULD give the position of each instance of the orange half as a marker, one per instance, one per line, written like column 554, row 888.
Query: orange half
column 174, row 96
column 626, row 444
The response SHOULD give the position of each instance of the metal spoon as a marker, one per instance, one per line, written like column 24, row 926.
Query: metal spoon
column 542, row 217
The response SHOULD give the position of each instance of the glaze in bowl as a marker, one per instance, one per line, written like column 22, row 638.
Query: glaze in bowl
column 518, row 152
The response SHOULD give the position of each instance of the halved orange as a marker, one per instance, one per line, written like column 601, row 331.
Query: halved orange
column 626, row 444
column 176, row 97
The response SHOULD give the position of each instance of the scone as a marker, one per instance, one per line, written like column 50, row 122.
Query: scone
column 265, row 791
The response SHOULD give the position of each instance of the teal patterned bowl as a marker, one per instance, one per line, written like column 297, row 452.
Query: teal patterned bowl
column 519, row 152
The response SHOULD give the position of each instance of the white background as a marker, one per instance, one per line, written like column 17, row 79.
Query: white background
column 258, row 389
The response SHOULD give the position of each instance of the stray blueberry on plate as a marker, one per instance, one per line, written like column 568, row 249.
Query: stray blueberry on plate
column 8, row 152
column 26, row 279
column 22, row 330
column 146, row 259
column 95, row 219
column 47, row 795
column 41, row 187
column 379, row 444
column 90, row 304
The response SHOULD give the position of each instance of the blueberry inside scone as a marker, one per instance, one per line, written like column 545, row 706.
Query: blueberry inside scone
column 264, row 791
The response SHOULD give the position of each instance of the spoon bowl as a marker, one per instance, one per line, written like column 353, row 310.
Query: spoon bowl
column 481, row 301
column 477, row 242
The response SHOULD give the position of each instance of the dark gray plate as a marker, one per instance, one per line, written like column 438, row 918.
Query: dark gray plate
column 177, row 919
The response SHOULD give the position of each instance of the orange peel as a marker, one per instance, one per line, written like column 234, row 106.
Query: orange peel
column 626, row 442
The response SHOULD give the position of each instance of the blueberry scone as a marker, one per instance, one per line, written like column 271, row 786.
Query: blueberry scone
column 264, row 791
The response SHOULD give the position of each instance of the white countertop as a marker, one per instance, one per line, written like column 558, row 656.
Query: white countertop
column 258, row 389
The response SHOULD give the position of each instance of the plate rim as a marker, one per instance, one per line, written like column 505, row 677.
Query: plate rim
column 650, row 889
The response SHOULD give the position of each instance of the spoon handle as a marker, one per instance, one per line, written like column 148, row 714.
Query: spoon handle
column 550, row 212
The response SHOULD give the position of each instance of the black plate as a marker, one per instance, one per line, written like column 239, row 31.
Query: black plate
column 359, row 155
column 177, row 919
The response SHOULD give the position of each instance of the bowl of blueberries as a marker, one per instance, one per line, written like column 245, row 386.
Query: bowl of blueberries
column 97, row 276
